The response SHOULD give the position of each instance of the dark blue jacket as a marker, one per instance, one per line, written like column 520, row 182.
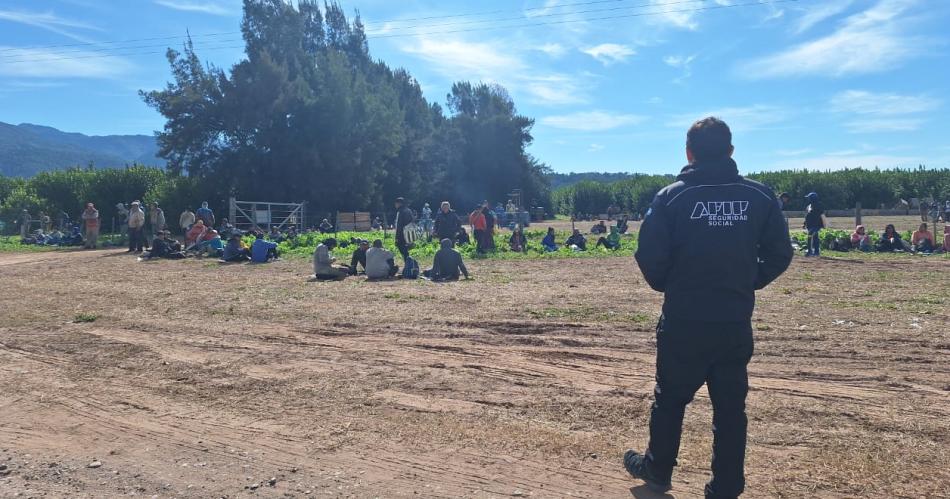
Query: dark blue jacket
column 710, row 240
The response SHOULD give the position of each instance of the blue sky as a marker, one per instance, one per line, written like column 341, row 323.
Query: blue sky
column 613, row 84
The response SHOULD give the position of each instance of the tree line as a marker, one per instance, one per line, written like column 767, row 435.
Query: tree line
column 840, row 189
column 310, row 116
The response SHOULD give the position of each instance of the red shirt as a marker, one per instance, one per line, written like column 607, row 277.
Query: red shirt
column 477, row 219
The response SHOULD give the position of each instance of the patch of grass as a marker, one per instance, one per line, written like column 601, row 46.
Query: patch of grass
column 11, row 244
column 587, row 313
column 404, row 298
column 85, row 317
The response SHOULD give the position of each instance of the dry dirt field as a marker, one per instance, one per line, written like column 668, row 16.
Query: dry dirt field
column 191, row 379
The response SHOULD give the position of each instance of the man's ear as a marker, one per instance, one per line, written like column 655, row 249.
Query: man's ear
column 689, row 156
column 732, row 149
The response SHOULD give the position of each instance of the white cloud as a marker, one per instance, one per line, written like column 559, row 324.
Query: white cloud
column 595, row 148
column 739, row 119
column 869, row 112
column 817, row 13
column 47, row 63
column 793, row 152
column 679, row 16
column 49, row 22
column 492, row 61
column 217, row 8
column 610, row 53
column 870, row 41
column 592, row 121
column 678, row 61
column 553, row 49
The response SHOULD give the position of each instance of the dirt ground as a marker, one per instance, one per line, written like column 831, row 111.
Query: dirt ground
column 193, row 379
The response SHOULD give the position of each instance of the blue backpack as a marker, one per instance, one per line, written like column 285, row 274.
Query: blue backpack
column 411, row 270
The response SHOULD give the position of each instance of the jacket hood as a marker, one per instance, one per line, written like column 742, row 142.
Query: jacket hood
column 713, row 171
column 812, row 197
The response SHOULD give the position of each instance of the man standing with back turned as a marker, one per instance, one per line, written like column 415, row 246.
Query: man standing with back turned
column 708, row 242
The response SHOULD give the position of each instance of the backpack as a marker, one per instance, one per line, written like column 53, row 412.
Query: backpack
column 411, row 270
column 410, row 233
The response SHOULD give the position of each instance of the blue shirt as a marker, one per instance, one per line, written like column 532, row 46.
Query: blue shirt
column 259, row 250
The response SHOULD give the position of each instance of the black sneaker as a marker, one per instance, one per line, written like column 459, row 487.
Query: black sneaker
column 636, row 464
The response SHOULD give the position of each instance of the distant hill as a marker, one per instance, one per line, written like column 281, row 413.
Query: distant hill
column 26, row 150
column 566, row 179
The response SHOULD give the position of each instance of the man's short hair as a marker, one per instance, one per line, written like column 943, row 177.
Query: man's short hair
column 709, row 139
column 378, row 243
column 401, row 200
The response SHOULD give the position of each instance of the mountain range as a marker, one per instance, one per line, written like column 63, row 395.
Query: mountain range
column 27, row 149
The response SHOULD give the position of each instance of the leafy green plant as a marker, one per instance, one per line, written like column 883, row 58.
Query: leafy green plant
column 85, row 317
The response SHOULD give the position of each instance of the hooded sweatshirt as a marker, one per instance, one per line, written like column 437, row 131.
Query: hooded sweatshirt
column 710, row 239
column 447, row 265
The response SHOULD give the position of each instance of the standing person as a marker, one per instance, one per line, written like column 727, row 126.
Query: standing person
column 403, row 218
column 479, row 227
column 122, row 216
column 45, row 222
column 708, row 242
column 156, row 217
column 25, row 221
column 136, row 228
column 186, row 220
column 814, row 222
column 427, row 221
column 90, row 219
column 447, row 223
column 490, row 221
column 205, row 214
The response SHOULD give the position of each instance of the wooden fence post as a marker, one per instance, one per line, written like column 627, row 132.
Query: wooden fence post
column 857, row 214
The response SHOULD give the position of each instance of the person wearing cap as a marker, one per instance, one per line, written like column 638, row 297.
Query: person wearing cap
column 90, row 220
column 447, row 264
column 163, row 246
column 403, row 218
column 446, row 222
column 708, row 242
column 359, row 257
column 136, row 227
column 380, row 262
column 236, row 250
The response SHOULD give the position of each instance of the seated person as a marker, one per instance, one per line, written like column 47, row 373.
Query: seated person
column 447, row 265
column 263, row 251
column 548, row 242
column 326, row 226
column 225, row 229
column 577, row 240
column 212, row 245
column 323, row 268
column 622, row 225
column 236, row 250
column 462, row 237
column 359, row 257
column 54, row 238
column 612, row 241
column 275, row 235
column 890, row 241
column 163, row 246
column 860, row 239
column 380, row 263
column 377, row 224
column 923, row 240
column 600, row 228
column 517, row 242
column 194, row 234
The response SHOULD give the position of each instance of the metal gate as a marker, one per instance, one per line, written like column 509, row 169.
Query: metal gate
column 248, row 215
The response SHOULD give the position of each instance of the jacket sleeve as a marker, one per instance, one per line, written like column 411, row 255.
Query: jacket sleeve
column 775, row 248
column 654, row 245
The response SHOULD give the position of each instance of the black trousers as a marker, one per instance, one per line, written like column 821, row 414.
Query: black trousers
column 403, row 247
column 689, row 354
column 136, row 239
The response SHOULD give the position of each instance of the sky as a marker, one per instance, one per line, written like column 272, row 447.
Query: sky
column 612, row 84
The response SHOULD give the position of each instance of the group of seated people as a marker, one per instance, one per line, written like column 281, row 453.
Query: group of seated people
column 378, row 263
column 922, row 241
column 577, row 242
column 55, row 238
